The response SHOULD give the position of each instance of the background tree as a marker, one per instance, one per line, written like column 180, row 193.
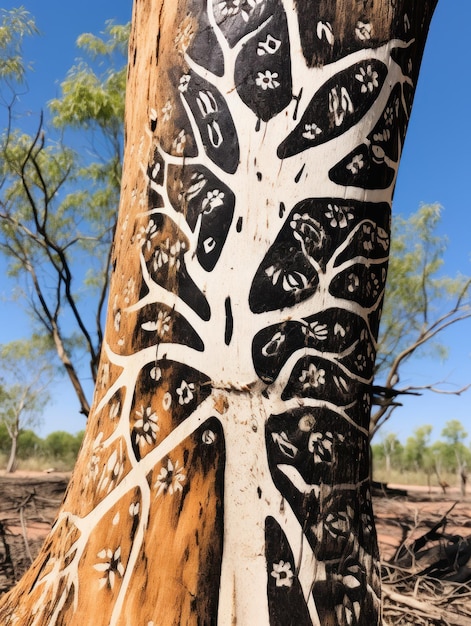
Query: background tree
column 58, row 209
column 421, row 302
column 458, row 456
column 24, row 389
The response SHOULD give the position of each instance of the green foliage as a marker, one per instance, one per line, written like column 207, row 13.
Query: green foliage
column 15, row 25
column 58, row 208
column 421, row 301
column 446, row 457
column 29, row 445
column 93, row 95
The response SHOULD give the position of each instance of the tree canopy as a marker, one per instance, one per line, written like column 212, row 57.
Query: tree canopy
column 58, row 207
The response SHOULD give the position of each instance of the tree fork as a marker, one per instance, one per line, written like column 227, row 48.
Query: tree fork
column 224, row 476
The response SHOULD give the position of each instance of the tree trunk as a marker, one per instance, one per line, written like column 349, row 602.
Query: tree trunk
column 224, row 477
column 10, row 468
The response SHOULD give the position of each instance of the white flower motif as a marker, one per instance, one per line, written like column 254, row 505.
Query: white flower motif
column 112, row 471
column 338, row 216
column 369, row 78
column 229, row 7
column 146, row 426
column 129, row 290
column 185, row 392
column 356, row 164
column 368, row 237
column 267, row 80
column 353, row 282
column 184, row 37
column 316, row 330
column 183, row 83
column 312, row 377
column 167, row 111
column 389, row 116
column 111, row 566
column 179, row 142
column 170, row 479
column 213, row 199
column 160, row 326
column 363, row 30
column 311, row 131
column 146, row 234
column 283, row 573
column 320, row 446
column 340, row 104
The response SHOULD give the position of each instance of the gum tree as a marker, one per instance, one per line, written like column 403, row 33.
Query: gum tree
column 224, row 476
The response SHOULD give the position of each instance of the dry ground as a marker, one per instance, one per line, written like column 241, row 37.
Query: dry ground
column 29, row 501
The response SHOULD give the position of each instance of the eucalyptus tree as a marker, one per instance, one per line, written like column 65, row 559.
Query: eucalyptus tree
column 58, row 209
column 421, row 302
column 224, row 475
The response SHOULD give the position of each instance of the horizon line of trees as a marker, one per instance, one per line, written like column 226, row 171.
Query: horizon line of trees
column 447, row 455
column 59, row 446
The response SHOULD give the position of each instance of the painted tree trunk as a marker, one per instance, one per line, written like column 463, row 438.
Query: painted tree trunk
column 224, row 475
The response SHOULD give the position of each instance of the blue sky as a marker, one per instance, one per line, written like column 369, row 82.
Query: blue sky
column 435, row 168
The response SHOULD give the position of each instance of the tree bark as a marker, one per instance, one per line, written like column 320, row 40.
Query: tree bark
column 224, row 477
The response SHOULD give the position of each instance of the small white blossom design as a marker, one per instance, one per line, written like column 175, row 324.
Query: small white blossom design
column 311, row 131
column 167, row 111
column 170, row 479
column 146, row 234
column 368, row 77
column 111, row 566
column 353, row 282
column 283, row 574
column 267, row 80
column 356, row 164
column 312, row 377
column 316, row 330
column 146, row 426
column 363, row 30
column 160, row 326
column 183, row 83
column 213, row 199
column 340, row 104
column 179, row 142
column 338, row 216
column 229, row 7
column 185, row 392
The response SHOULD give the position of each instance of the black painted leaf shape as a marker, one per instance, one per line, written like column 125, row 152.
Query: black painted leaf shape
column 238, row 18
column 286, row 603
column 338, row 105
column 164, row 256
column 364, row 167
column 157, row 323
column 372, row 166
column 333, row 330
column 204, row 47
column 214, row 121
column 263, row 68
column 360, row 283
column 206, row 200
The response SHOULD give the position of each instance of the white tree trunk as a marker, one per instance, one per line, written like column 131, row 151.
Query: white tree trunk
column 224, row 477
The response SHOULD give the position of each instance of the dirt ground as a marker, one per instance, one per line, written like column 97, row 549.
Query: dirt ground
column 29, row 502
